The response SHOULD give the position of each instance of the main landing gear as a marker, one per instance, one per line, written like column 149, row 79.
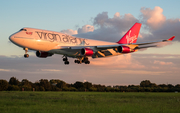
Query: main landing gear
column 26, row 55
column 82, row 60
column 78, row 61
column 65, row 59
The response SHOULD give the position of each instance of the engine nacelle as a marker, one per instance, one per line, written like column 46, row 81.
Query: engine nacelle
column 87, row 52
column 123, row 49
column 42, row 54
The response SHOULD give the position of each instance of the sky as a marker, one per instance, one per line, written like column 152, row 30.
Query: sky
column 101, row 20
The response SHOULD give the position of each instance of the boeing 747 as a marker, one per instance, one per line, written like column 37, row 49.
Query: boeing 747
column 47, row 43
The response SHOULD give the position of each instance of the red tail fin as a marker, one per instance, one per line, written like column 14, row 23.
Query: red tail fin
column 132, row 35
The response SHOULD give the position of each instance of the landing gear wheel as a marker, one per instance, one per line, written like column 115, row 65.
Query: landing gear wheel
column 75, row 61
column 87, row 62
column 66, row 62
column 65, row 59
column 26, row 55
column 82, row 60
column 79, row 62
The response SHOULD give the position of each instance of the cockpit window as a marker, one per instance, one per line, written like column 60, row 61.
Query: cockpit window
column 23, row 29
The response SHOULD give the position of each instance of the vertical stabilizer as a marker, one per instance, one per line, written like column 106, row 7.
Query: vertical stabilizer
column 132, row 35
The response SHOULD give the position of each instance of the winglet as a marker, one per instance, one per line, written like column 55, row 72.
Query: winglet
column 170, row 39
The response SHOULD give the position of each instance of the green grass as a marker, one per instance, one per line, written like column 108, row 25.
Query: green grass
column 89, row 102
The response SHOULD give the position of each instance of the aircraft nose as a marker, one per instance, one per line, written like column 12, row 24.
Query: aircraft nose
column 11, row 38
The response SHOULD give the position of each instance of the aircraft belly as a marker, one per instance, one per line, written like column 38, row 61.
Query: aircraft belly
column 66, row 52
column 105, row 53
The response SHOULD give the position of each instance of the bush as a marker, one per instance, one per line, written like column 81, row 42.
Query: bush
column 3, row 85
column 13, row 88
column 26, row 88
column 92, row 89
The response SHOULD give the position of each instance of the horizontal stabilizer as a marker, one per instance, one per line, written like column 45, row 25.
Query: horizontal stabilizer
column 170, row 39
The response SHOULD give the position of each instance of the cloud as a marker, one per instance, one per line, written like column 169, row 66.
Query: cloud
column 162, row 62
column 142, row 72
column 50, row 70
column 155, row 67
column 119, row 22
column 69, row 32
column 121, row 61
column 122, row 69
column 85, row 29
column 169, row 28
column 117, row 15
column 6, row 70
column 101, row 19
column 154, row 18
column 109, row 29
column 155, row 26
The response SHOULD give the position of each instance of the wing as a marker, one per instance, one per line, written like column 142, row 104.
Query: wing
column 103, row 50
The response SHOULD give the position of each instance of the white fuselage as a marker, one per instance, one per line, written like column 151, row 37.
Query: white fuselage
column 44, row 40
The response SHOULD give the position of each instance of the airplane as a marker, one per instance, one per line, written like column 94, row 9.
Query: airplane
column 47, row 43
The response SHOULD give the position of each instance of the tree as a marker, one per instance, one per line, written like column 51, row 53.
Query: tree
column 145, row 83
column 41, row 88
column 13, row 81
column 54, row 88
column 170, row 86
column 26, row 82
column 27, row 85
column 99, row 87
column 79, row 85
column 87, row 85
column 61, row 84
column 26, row 88
column 123, row 88
column 153, row 85
column 45, row 84
column 3, row 85
column 72, row 89
column 177, row 86
column 108, row 89
column 55, row 81
column 93, row 89
column 162, row 85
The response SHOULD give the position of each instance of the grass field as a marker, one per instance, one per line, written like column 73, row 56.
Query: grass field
column 89, row 102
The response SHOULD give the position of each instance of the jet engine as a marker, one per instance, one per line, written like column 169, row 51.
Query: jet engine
column 87, row 52
column 123, row 49
column 42, row 54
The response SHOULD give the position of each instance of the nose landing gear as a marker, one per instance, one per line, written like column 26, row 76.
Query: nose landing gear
column 26, row 55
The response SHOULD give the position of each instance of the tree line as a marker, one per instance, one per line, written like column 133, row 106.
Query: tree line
column 59, row 85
